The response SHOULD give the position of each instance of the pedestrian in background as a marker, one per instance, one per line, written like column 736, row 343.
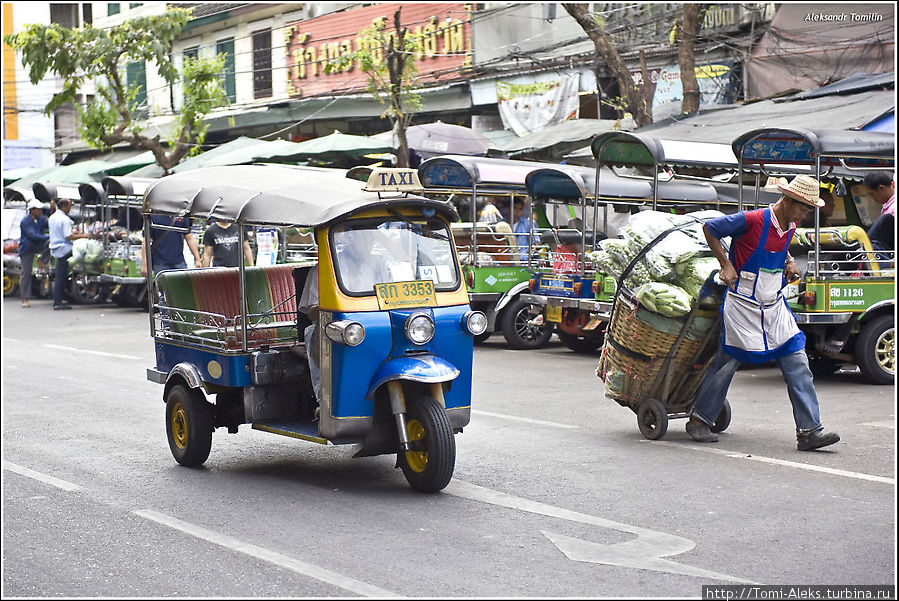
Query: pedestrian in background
column 757, row 323
column 883, row 190
column 61, row 235
column 35, row 241
column 167, row 245
column 220, row 246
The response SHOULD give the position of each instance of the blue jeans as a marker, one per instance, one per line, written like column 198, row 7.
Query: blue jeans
column 800, row 386
column 60, row 278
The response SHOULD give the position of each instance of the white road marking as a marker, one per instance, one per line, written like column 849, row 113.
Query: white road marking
column 90, row 352
column 24, row 471
column 295, row 565
column 795, row 464
column 889, row 423
column 528, row 420
column 644, row 552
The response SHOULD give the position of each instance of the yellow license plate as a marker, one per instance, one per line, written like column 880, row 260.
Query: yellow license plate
column 553, row 313
column 403, row 295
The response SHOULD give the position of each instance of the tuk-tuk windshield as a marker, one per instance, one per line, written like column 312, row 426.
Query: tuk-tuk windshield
column 375, row 251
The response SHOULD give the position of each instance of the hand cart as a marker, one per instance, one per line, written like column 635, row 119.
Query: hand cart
column 653, row 364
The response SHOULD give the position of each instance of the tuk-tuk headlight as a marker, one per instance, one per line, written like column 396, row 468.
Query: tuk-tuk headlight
column 350, row 333
column 419, row 328
column 474, row 322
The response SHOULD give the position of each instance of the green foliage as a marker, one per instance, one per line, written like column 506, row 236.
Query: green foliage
column 77, row 56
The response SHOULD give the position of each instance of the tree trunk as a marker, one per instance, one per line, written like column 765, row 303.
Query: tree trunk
column 687, row 32
column 632, row 95
column 396, row 64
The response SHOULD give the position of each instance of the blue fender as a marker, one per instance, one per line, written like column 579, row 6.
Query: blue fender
column 418, row 368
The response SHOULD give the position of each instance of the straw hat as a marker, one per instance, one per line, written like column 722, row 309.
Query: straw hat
column 803, row 188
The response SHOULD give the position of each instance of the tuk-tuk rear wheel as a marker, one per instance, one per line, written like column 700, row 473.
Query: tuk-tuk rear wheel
column 188, row 425
column 519, row 329
column 875, row 350
column 428, row 465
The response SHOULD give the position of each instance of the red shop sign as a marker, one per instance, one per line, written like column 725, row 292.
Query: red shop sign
column 444, row 30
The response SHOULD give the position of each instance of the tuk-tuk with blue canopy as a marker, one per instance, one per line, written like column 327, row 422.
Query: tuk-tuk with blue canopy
column 845, row 299
column 495, row 260
column 370, row 345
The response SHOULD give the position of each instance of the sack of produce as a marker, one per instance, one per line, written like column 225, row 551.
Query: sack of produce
column 667, row 299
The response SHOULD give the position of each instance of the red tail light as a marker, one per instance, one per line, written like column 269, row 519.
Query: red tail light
column 578, row 286
column 809, row 298
column 595, row 287
column 532, row 284
column 469, row 278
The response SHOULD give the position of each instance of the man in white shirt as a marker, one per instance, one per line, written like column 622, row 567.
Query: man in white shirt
column 61, row 236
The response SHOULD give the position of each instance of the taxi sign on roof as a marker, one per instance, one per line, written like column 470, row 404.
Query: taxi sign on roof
column 393, row 180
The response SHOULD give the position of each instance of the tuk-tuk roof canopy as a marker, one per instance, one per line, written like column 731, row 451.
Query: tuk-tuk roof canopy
column 569, row 183
column 462, row 172
column 127, row 186
column 630, row 149
column 273, row 195
column 834, row 148
column 46, row 192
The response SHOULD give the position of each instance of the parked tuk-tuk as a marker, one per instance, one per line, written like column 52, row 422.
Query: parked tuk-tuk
column 845, row 299
column 495, row 269
column 393, row 334
column 83, row 286
column 576, row 297
column 119, row 226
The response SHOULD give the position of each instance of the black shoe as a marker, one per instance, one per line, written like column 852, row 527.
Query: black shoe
column 61, row 307
column 701, row 432
column 816, row 440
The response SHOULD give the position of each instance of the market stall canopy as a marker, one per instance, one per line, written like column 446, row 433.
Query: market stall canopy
column 76, row 173
column 438, row 138
column 334, row 146
column 559, row 138
column 128, row 165
column 214, row 156
column 723, row 125
column 271, row 195
column 13, row 175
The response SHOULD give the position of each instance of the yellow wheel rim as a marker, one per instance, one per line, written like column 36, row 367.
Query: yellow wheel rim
column 417, row 460
column 8, row 284
column 885, row 350
column 179, row 425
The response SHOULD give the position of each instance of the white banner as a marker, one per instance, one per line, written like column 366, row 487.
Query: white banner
column 526, row 108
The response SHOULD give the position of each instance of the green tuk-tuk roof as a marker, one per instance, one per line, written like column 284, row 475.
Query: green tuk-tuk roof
column 273, row 195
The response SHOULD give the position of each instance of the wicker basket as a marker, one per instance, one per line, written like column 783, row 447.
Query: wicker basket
column 635, row 352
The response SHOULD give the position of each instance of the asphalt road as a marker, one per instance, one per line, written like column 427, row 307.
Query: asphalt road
column 555, row 493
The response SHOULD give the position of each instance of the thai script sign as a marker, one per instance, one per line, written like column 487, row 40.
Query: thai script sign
column 443, row 32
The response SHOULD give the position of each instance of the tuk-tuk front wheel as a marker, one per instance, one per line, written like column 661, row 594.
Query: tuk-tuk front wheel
column 428, row 465
column 188, row 425
column 875, row 350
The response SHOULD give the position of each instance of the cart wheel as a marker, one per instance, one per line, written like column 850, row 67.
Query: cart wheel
column 189, row 425
column 652, row 419
column 428, row 465
column 723, row 420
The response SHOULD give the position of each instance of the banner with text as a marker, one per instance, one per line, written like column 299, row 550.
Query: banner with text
column 525, row 108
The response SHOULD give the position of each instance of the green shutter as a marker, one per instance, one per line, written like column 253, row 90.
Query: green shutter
column 226, row 47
